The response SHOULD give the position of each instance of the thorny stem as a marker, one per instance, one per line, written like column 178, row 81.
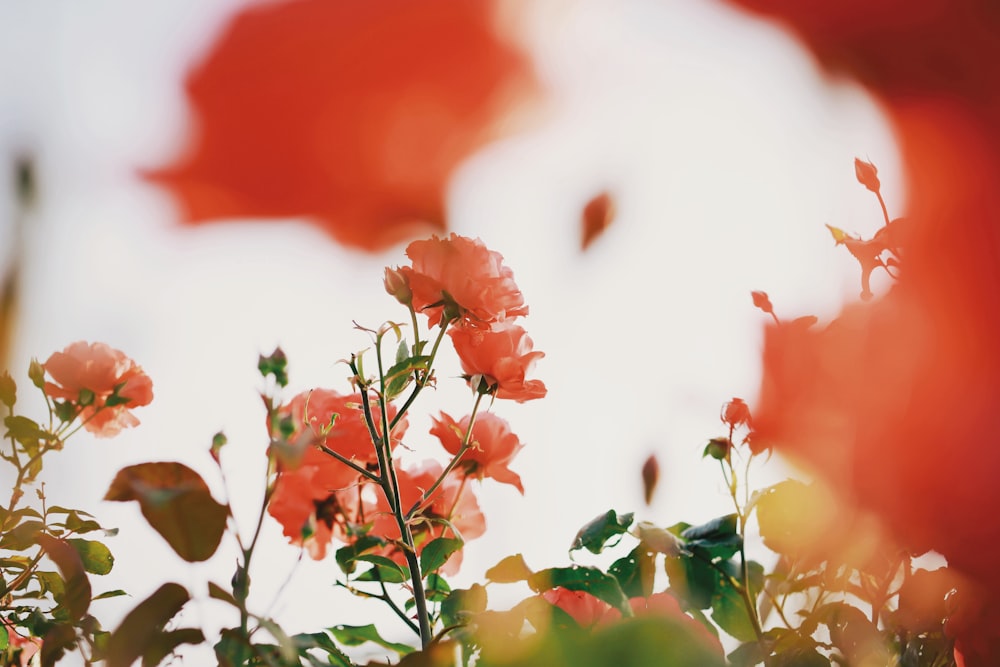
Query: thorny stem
column 421, row 381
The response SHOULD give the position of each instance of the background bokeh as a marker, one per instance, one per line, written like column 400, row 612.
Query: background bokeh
column 724, row 146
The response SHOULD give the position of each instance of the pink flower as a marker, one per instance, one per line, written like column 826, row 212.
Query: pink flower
column 28, row 646
column 102, row 382
column 493, row 446
column 499, row 359
column 463, row 276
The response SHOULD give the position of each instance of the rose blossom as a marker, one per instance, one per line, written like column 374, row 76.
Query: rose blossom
column 500, row 357
column 583, row 607
column 88, row 375
column 493, row 446
column 349, row 434
column 462, row 274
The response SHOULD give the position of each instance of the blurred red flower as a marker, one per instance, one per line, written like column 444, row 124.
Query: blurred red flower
column 494, row 446
column 462, row 275
column 311, row 511
column 500, row 358
column 102, row 382
column 582, row 607
column 895, row 402
column 354, row 114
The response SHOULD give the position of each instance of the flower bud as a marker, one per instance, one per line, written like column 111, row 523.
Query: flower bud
column 867, row 175
column 761, row 300
column 36, row 372
column 717, row 448
column 736, row 413
column 397, row 286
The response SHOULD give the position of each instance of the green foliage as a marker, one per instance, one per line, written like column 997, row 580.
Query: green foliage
column 597, row 533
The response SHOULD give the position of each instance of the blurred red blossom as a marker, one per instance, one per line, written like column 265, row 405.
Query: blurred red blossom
column 354, row 114
column 499, row 359
column 102, row 382
column 582, row 607
column 493, row 446
column 463, row 276
column 312, row 510
column 895, row 401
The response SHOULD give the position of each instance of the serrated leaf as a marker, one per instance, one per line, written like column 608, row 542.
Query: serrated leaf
column 579, row 578
column 437, row 552
column 510, row 569
column 139, row 630
column 595, row 535
column 355, row 635
column 177, row 503
column 96, row 557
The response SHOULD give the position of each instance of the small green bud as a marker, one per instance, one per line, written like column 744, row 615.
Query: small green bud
column 36, row 372
column 8, row 390
column 717, row 448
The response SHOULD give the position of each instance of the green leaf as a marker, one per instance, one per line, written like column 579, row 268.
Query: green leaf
column 588, row 579
column 462, row 602
column 716, row 539
column 386, row 570
column 22, row 537
column 510, row 569
column 8, row 390
column 635, row 573
column 730, row 613
column 77, row 593
column 595, row 535
column 401, row 374
column 437, row 589
column 286, row 647
column 217, row 592
column 96, row 557
column 274, row 364
column 25, row 430
column 140, row 629
column 4, row 637
column 177, row 503
column 693, row 580
column 355, row 635
column 110, row 594
column 437, row 552
column 317, row 640
column 346, row 556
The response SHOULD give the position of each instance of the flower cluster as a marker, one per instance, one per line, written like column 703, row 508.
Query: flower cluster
column 337, row 474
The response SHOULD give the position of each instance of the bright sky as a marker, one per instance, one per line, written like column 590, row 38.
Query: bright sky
column 725, row 147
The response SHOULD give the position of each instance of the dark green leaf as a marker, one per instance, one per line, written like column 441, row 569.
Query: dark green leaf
column 347, row 555
column 437, row 589
column 693, row 580
column 730, row 613
column 635, row 573
column 595, row 535
column 386, row 570
column 718, row 528
column 437, row 552
column 321, row 641
column 76, row 596
column 355, row 635
column 177, row 503
column 141, row 627
column 510, row 569
column 588, row 579
column 232, row 649
column 96, row 557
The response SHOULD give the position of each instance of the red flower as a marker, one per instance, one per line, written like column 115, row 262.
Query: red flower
column 453, row 507
column 464, row 276
column 493, row 446
column 867, row 174
column 583, row 607
column 102, row 382
column 354, row 114
column 896, row 402
column 499, row 359
column 349, row 436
